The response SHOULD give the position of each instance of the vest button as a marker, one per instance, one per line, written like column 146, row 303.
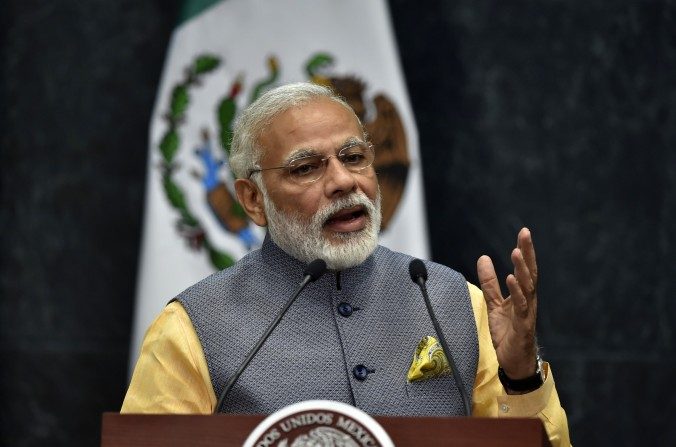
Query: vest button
column 345, row 309
column 360, row 372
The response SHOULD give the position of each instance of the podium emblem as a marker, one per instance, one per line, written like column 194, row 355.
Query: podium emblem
column 319, row 423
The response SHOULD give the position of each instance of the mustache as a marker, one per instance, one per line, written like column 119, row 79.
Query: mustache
column 355, row 199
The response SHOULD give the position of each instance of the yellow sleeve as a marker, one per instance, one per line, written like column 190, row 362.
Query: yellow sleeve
column 171, row 375
column 489, row 397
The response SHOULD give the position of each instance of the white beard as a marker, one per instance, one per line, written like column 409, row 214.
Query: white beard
column 304, row 240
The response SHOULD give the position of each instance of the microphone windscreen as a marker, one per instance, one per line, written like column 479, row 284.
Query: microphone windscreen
column 417, row 270
column 315, row 269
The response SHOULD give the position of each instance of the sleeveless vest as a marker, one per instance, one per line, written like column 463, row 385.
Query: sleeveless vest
column 322, row 348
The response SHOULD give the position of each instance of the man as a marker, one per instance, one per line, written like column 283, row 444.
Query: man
column 304, row 168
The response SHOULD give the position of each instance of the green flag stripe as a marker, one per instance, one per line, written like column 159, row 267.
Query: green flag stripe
column 192, row 8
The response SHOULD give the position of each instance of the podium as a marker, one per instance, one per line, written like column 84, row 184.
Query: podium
column 225, row 430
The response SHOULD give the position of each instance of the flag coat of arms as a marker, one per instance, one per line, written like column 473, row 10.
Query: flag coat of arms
column 222, row 57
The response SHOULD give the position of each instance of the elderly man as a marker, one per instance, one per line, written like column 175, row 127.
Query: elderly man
column 304, row 168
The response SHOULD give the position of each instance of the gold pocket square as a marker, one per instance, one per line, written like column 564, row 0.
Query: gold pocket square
column 428, row 361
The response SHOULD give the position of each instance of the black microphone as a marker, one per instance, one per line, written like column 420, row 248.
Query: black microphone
column 418, row 273
column 312, row 273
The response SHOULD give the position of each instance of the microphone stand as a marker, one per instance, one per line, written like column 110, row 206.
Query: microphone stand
column 313, row 271
column 419, row 276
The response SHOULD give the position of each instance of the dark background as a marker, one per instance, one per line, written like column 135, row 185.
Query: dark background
column 552, row 114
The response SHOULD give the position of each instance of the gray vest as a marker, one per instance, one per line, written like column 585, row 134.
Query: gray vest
column 313, row 352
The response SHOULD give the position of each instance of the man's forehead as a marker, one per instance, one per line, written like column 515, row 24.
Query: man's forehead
column 317, row 126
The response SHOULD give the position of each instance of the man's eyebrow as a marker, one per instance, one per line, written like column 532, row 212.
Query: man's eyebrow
column 350, row 142
column 301, row 153
column 311, row 152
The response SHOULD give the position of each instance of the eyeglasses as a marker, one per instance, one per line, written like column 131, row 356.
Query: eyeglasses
column 355, row 157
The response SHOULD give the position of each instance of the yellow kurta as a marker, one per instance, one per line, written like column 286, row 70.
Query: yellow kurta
column 171, row 376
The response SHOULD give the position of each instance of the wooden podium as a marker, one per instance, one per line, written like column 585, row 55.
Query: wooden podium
column 232, row 430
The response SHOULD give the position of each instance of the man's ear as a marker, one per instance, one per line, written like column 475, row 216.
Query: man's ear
column 251, row 199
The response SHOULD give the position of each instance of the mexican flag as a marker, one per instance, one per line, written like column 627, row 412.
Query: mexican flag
column 221, row 57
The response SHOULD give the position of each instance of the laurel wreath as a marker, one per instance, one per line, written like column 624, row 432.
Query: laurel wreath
column 188, row 225
column 169, row 146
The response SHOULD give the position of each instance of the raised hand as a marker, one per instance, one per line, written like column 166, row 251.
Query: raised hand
column 512, row 319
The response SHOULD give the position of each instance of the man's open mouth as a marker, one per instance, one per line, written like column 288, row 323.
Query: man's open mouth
column 347, row 215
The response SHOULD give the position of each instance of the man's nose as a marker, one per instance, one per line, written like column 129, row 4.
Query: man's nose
column 338, row 179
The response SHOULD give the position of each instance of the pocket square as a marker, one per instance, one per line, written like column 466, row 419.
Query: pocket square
column 428, row 361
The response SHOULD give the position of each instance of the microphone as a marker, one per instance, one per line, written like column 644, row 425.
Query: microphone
column 418, row 272
column 312, row 273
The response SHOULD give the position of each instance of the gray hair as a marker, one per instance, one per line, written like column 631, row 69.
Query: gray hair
column 245, row 152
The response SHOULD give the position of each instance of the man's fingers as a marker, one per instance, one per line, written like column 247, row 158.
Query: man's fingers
column 518, row 299
column 489, row 282
column 524, row 243
column 522, row 274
